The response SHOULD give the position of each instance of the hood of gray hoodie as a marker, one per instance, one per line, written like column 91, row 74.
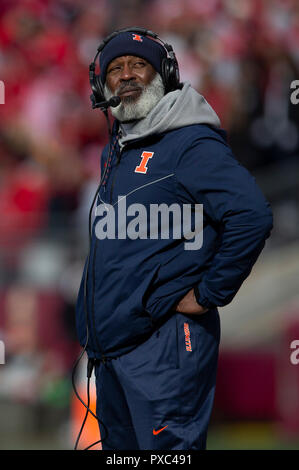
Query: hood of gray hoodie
column 176, row 109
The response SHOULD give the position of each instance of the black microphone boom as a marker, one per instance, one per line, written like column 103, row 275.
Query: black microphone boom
column 114, row 101
column 103, row 105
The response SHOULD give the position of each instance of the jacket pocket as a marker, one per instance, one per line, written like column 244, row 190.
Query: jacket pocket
column 122, row 320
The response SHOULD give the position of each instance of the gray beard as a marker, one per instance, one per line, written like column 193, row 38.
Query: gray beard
column 129, row 110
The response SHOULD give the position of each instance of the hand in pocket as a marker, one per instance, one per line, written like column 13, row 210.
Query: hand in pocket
column 189, row 305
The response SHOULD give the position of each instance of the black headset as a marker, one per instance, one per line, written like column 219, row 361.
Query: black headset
column 170, row 69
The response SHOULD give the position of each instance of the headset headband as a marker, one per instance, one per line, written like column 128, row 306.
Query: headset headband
column 143, row 31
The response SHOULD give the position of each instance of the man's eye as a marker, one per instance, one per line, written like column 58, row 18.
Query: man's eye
column 114, row 69
column 139, row 64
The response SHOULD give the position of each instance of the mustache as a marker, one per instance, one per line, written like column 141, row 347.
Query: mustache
column 130, row 85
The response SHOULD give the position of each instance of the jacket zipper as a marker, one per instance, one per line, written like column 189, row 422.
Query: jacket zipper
column 93, row 270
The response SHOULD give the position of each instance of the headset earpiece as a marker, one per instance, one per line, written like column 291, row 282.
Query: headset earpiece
column 170, row 69
column 100, row 88
column 170, row 75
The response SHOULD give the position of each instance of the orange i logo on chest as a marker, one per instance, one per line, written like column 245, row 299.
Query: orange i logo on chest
column 142, row 168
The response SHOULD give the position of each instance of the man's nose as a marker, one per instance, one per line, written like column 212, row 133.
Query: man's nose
column 127, row 73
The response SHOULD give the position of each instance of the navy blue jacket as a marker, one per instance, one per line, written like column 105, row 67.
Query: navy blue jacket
column 133, row 284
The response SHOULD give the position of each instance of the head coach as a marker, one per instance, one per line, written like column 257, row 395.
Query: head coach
column 177, row 228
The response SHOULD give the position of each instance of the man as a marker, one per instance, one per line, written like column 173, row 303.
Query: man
column 178, row 226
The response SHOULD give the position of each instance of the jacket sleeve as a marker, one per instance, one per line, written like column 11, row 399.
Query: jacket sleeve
column 208, row 173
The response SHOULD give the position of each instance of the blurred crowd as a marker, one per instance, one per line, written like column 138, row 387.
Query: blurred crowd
column 242, row 55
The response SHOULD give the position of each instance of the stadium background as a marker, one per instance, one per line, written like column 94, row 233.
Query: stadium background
column 242, row 55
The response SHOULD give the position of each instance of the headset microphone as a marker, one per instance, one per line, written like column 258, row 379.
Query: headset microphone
column 103, row 105
column 114, row 101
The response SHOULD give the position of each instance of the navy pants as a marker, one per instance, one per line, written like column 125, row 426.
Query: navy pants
column 159, row 396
